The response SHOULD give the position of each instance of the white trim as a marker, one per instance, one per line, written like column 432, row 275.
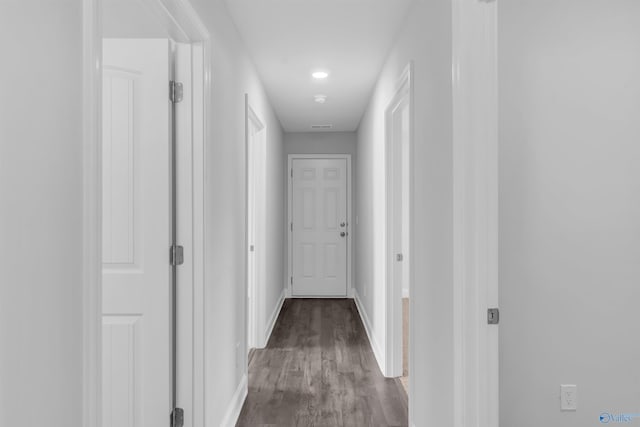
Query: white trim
column 92, row 215
column 351, row 226
column 183, row 23
column 201, row 101
column 273, row 318
column 475, row 210
column 393, row 303
column 406, row 293
column 235, row 405
column 375, row 346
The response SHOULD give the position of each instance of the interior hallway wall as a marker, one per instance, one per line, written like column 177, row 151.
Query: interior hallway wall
column 424, row 38
column 318, row 143
column 233, row 75
column 569, row 209
column 41, row 213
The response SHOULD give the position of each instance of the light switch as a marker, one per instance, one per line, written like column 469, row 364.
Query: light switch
column 568, row 397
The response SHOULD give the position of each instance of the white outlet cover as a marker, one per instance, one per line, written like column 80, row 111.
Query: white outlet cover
column 568, row 397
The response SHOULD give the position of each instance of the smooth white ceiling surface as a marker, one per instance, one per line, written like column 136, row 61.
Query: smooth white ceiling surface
column 288, row 39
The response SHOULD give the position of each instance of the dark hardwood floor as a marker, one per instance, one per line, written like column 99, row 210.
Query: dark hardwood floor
column 318, row 370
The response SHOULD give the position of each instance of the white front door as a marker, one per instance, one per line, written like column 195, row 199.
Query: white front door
column 320, row 229
column 136, row 288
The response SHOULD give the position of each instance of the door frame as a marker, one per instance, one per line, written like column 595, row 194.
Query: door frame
column 183, row 25
column 289, row 231
column 255, row 317
column 394, row 320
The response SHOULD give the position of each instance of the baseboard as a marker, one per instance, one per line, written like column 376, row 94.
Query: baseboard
column 377, row 350
column 405, row 293
column 235, row 406
column 273, row 319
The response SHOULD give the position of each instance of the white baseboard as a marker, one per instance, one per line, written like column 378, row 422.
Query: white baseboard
column 271, row 322
column 405, row 293
column 235, row 406
column 377, row 350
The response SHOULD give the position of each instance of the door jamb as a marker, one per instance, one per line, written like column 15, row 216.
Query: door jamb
column 393, row 313
column 289, row 238
column 184, row 25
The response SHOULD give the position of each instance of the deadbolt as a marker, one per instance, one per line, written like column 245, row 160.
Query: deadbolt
column 342, row 234
column 342, row 224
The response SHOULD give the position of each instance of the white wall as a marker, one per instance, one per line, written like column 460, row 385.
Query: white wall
column 233, row 75
column 425, row 38
column 318, row 143
column 41, row 213
column 569, row 209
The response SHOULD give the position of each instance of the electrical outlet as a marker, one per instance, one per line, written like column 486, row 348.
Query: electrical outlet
column 568, row 397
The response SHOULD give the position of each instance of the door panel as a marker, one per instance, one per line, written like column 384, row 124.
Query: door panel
column 136, row 233
column 319, row 216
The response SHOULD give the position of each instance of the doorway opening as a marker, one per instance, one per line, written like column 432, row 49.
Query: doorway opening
column 399, row 146
column 146, row 125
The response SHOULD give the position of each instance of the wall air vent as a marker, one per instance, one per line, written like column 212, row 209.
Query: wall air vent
column 321, row 126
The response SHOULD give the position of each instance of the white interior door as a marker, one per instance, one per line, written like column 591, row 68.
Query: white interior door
column 320, row 228
column 137, row 341
column 398, row 121
column 251, row 236
column 256, row 228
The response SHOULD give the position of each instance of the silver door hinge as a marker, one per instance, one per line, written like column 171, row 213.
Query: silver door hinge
column 176, row 92
column 291, row 172
column 493, row 316
column 177, row 417
column 292, row 280
column 291, row 226
column 176, row 255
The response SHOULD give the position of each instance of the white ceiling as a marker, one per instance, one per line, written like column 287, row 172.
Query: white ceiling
column 288, row 39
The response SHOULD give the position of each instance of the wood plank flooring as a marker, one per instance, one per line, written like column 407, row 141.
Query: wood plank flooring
column 318, row 370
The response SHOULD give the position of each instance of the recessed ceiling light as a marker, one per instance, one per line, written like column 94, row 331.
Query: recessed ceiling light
column 320, row 75
column 320, row 99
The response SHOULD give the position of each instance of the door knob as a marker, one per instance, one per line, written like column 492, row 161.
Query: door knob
column 342, row 234
column 342, row 224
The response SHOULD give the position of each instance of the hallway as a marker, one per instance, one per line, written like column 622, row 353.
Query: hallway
column 318, row 370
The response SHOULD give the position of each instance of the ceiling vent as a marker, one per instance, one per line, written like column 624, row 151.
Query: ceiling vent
column 321, row 126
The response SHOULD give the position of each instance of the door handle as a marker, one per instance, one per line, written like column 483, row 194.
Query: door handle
column 342, row 234
column 342, row 224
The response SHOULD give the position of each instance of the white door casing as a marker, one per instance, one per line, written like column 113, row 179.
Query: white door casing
column 136, row 292
column 319, row 226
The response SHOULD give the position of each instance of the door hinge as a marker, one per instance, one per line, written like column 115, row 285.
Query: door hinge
column 176, row 92
column 399, row 257
column 493, row 316
column 176, row 255
column 291, row 172
column 177, row 417
column 292, row 280
column 291, row 226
